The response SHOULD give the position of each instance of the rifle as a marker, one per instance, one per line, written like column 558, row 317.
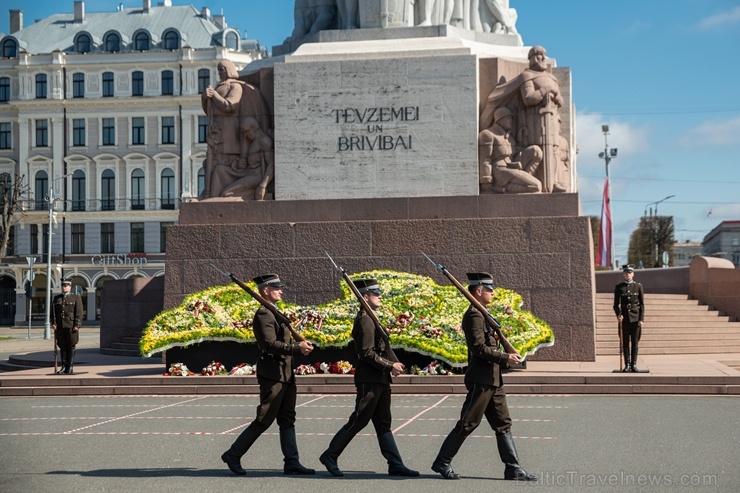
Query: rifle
column 477, row 304
column 370, row 313
column 279, row 316
column 619, row 331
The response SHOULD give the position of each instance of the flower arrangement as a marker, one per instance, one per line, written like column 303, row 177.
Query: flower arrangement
column 433, row 368
column 178, row 370
column 243, row 369
column 339, row 368
column 214, row 368
column 420, row 316
column 305, row 370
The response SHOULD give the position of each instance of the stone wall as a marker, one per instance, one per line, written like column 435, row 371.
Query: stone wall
column 536, row 245
column 127, row 306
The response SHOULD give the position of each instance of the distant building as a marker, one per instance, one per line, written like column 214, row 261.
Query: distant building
column 684, row 252
column 104, row 108
column 724, row 242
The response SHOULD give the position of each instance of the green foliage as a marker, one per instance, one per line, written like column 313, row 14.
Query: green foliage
column 418, row 314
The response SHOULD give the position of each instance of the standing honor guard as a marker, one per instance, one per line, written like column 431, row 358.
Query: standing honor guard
column 276, row 380
column 66, row 319
column 373, row 382
column 629, row 307
column 486, row 395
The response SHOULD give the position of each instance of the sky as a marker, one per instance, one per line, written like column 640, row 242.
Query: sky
column 654, row 71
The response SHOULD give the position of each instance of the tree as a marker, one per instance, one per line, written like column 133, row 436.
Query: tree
column 653, row 236
column 11, row 192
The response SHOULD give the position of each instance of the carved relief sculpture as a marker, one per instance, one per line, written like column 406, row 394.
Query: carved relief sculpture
column 534, row 99
column 238, row 120
column 312, row 16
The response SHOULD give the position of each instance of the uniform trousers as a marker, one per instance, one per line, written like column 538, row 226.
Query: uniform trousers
column 484, row 400
column 373, row 402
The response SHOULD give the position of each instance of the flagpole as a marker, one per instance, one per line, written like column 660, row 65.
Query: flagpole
column 608, row 155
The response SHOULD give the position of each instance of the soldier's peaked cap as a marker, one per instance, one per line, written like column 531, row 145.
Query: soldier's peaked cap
column 268, row 280
column 480, row 279
column 628, row 268
column 367, row 286
column 66, row 282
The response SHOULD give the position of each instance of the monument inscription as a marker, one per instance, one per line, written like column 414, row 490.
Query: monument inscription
column 373, row 118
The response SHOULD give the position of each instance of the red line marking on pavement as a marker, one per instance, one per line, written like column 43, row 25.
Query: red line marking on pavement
column 131, row 415
column 408, row 422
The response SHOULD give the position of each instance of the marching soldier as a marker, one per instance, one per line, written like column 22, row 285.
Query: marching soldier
column 629, row 307
column 66, row 319
column 486, row 395
column 277, row 384
column 373, row 383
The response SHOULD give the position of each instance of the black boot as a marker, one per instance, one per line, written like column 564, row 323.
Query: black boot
column 232, row 457
column 509, row 457
column 70, row 361
column 63, row 362
column 447, row 452
column 390, row 451
column 627, row 364
column 633, row 368
column 336, row 447
column 290, row 453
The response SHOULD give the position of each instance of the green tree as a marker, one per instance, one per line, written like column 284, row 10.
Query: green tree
column 653, row 236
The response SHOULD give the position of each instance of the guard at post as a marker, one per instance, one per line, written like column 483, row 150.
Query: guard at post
column 66, row 319
column 629, row 306
column 486, row 395
column 278, row 390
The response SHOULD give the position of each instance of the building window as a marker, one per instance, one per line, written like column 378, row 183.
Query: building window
column 44, row 241
column 78, row 190
column 171, row 40
column 78, row 85
column 41, row 86
column 78, row 238
column 108, row 190
column 137, row 237
column 78, row 132
column 42, row 133
column 109, row 131
column 204, row 79
column 163, row 236
column 112, row 43
column 232, row 40
column 141, row 41
column 6, row 136
column 138, row 131
column 201, row 181
column 108, row 85
column 168, row 83
column 34, row 238
column 83, row 43
column 137, row 83
column 202, row 129
column 168, row 189
column 138, row 191
column 4, row 89
column 10, row 48
column 107, row 238
column 41, row 189
column 168, row 129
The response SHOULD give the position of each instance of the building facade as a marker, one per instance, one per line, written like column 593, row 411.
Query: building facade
column 683, row 253
column 724, row 242
column 101, row 122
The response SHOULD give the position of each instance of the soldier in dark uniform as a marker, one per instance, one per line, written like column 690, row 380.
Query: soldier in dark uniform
column 277, row 383
column 373, row 382
column 629, row 307
column 66, row 319
column 486, row 395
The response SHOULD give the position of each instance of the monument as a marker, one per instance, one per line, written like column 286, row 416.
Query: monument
column 381, row 128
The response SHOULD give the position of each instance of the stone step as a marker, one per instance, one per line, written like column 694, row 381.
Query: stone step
column 131, row 340
column 118, row 351
column 607, row 351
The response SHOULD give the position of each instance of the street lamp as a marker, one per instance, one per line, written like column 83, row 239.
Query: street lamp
column 51, row 199
column 607, row 156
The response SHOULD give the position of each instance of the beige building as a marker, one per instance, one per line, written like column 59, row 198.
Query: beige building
column 103, row 110
column 724, row 242
column 683, row 253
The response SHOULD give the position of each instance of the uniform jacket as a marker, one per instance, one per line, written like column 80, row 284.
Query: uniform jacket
column 273, row 339
column 67, row 311
column 628, row 301
column 484, row 358
column 374, row 363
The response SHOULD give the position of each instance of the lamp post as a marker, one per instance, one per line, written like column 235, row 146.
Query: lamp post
column 653, row 224
column 607, row 156
column 51, row 199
